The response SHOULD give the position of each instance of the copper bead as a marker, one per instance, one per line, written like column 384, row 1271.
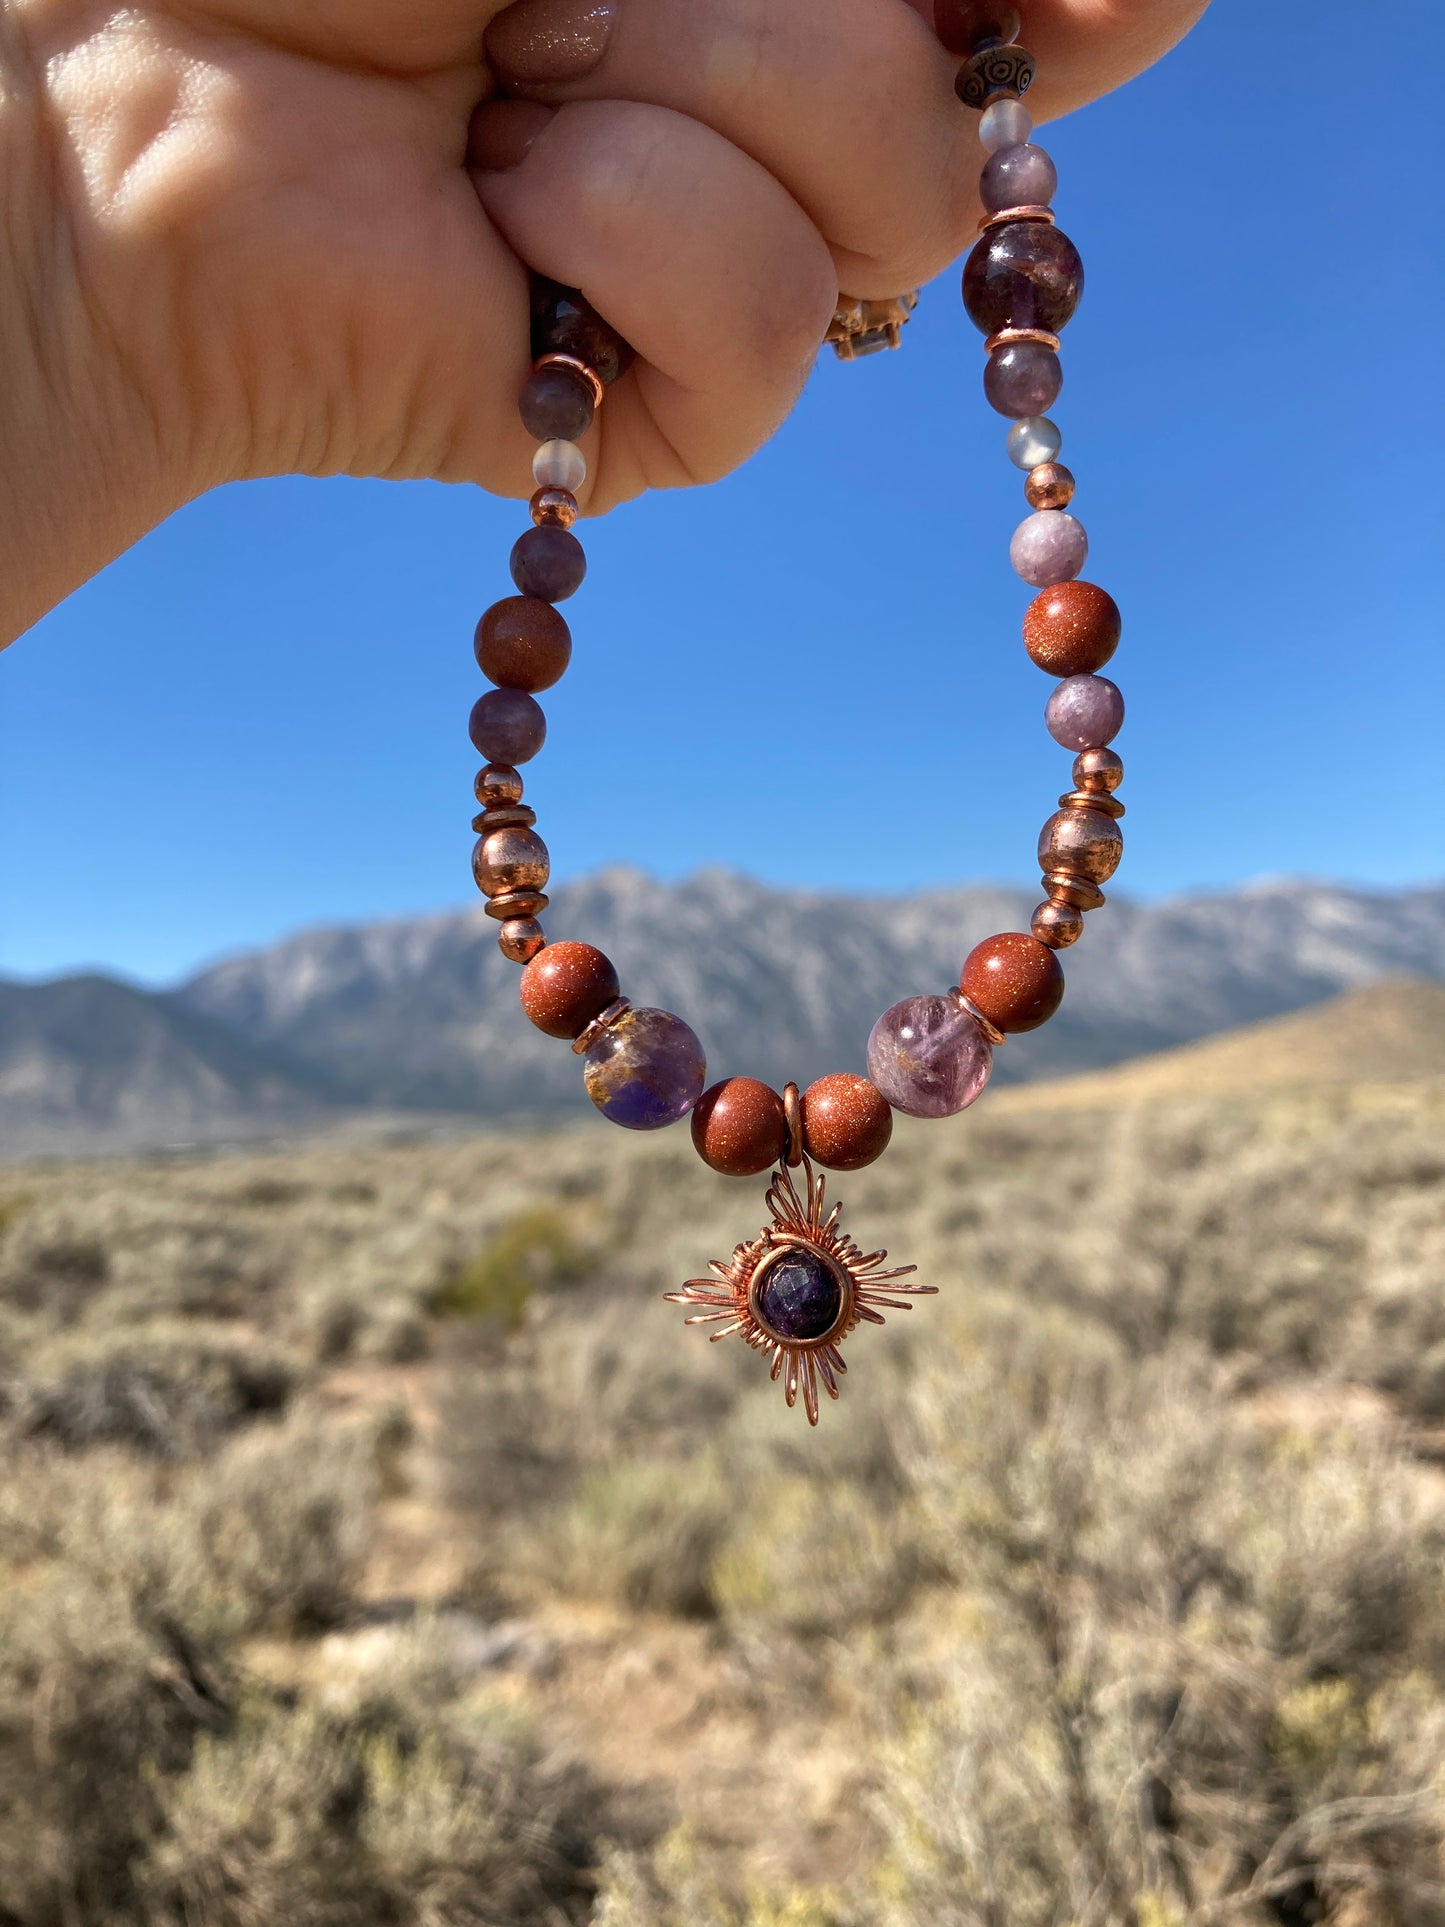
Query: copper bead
column 520, row 939
column 847, row 1122
column 523, row 643
column 1072, row 629
column 1082, row 843
column 1057, row 924
column 566, row 985
column 510, row 859
column 554, row 508
column 739, row 1128
column 1049, row 486
column 1098, row 771
column 498, row 786
column 1013, row 980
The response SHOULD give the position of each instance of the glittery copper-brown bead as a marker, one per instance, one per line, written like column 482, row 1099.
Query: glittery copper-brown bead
column 1082, row 843
column 510, row 859
column 1072, row 629
column 1098, row 770
column 1057, row 924
column 1049, row 486
column 847, row 1122
column 523, row 643
column 566, row 985
column 498, row 786
column 1013, row 980
column 520, row 938
column 554, row 508
column 738, row 1127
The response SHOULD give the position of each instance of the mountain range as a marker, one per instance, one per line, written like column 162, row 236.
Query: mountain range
column 418, row 1018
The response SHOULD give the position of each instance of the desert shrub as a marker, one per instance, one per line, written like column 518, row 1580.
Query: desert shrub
column 536, row 1251
column 643, row 1533
column 167, row 1391
column 674, row 1885
column 815, row 1556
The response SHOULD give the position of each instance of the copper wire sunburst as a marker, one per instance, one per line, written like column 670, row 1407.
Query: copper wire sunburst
column 823, row 1259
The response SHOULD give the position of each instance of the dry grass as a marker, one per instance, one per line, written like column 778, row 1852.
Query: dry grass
column 1093, row 1603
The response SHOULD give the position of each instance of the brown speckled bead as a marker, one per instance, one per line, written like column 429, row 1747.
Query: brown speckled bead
column 510, row 859
column 520, row 939
column 1082, row 843
column 523, row 643
column 566, row 985
column 498, row 786
column 1057, row 924
column 554, row 508
column 1072, row 629
column 962, row 24
column 1049, row 486
column 1013, row 980
column 847, row 1122
column 739, row 1127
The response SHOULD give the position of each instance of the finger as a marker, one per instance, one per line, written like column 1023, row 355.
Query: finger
column 697, row 256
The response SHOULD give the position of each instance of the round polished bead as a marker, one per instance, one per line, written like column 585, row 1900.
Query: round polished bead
column 507, row 726
column 549, row 563
column 646, row 1070
column 520, row 938
column 799, row 1294
column 1072, row 629
column 510, row 859
column 1057, row 924
column 523, row 643
column 1082, row 843
column 1085, row 712
column 1025, row 274
column 1013, row 980
column 1050, row 486
column 1033, row 441
column 928, row 1057
column 1048, row 547
column 566, row 986
column 565, row 323
column 557, row 404
column 554, row 508
column 739, row 1127
column 962, row 24
column 498, row 786
column 1098, row 770
column 559, row 465
column 1022, row 378
column 847, row 1122
column 1008, row 123
column 1022, row 176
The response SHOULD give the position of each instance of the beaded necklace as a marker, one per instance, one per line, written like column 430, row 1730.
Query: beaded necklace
column 802, row 1286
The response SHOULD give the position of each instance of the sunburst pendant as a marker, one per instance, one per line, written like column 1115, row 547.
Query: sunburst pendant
column 798, row 1289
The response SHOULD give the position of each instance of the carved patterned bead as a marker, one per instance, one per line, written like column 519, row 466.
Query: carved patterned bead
column 739, row 1128
column 646, row 1070
column 1013, row 980
column 523, row 643
column 1081, row 843
column 549, row 563
column 994, row 70
column 510, row 859
column 507, row 726
column 566, row 986
column 520, row 938
column 1057, row 924
column 847, row 1122
column 1072, row 629
column 565, row 323
column 1024, row 274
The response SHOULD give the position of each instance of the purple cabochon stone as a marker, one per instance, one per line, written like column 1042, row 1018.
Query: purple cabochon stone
column 1085, row 712
column 1049, row 546
column 928, row 1057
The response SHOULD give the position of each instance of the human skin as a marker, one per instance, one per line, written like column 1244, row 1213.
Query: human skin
column 241, row 237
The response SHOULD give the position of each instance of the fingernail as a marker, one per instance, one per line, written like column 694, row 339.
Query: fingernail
column 538, row 43
column 502, row 132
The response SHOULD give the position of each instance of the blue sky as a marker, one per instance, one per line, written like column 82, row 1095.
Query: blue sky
column 257, row 720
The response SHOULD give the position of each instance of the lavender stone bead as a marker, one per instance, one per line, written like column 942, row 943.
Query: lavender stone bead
column 507, row 726
column 1022, row 380
column 928, row 1057
column 1022, row 176
column 1048, row 547
column 646, row 1070
column 548, row 562
column 1085, row 712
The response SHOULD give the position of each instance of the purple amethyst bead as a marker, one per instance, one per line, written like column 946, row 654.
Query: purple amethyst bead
column 800, row 1296
column 928, row 1057
column 646, row 1070
column 1048, row 547
column 1022, row 379
column 1021, row 176
column 507, row 726
column 1085, row 712
column 1024, row 274
column 548, row 562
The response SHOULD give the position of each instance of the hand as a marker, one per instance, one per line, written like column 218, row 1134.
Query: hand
column 242, row 237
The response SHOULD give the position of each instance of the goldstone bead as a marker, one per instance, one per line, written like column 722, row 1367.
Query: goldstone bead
column 1022, row 176
column 928, row 1057
column 1049, row 546
column 523, row 643
column 1022, row 378
column 1085, row 712
column 646, row 1070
